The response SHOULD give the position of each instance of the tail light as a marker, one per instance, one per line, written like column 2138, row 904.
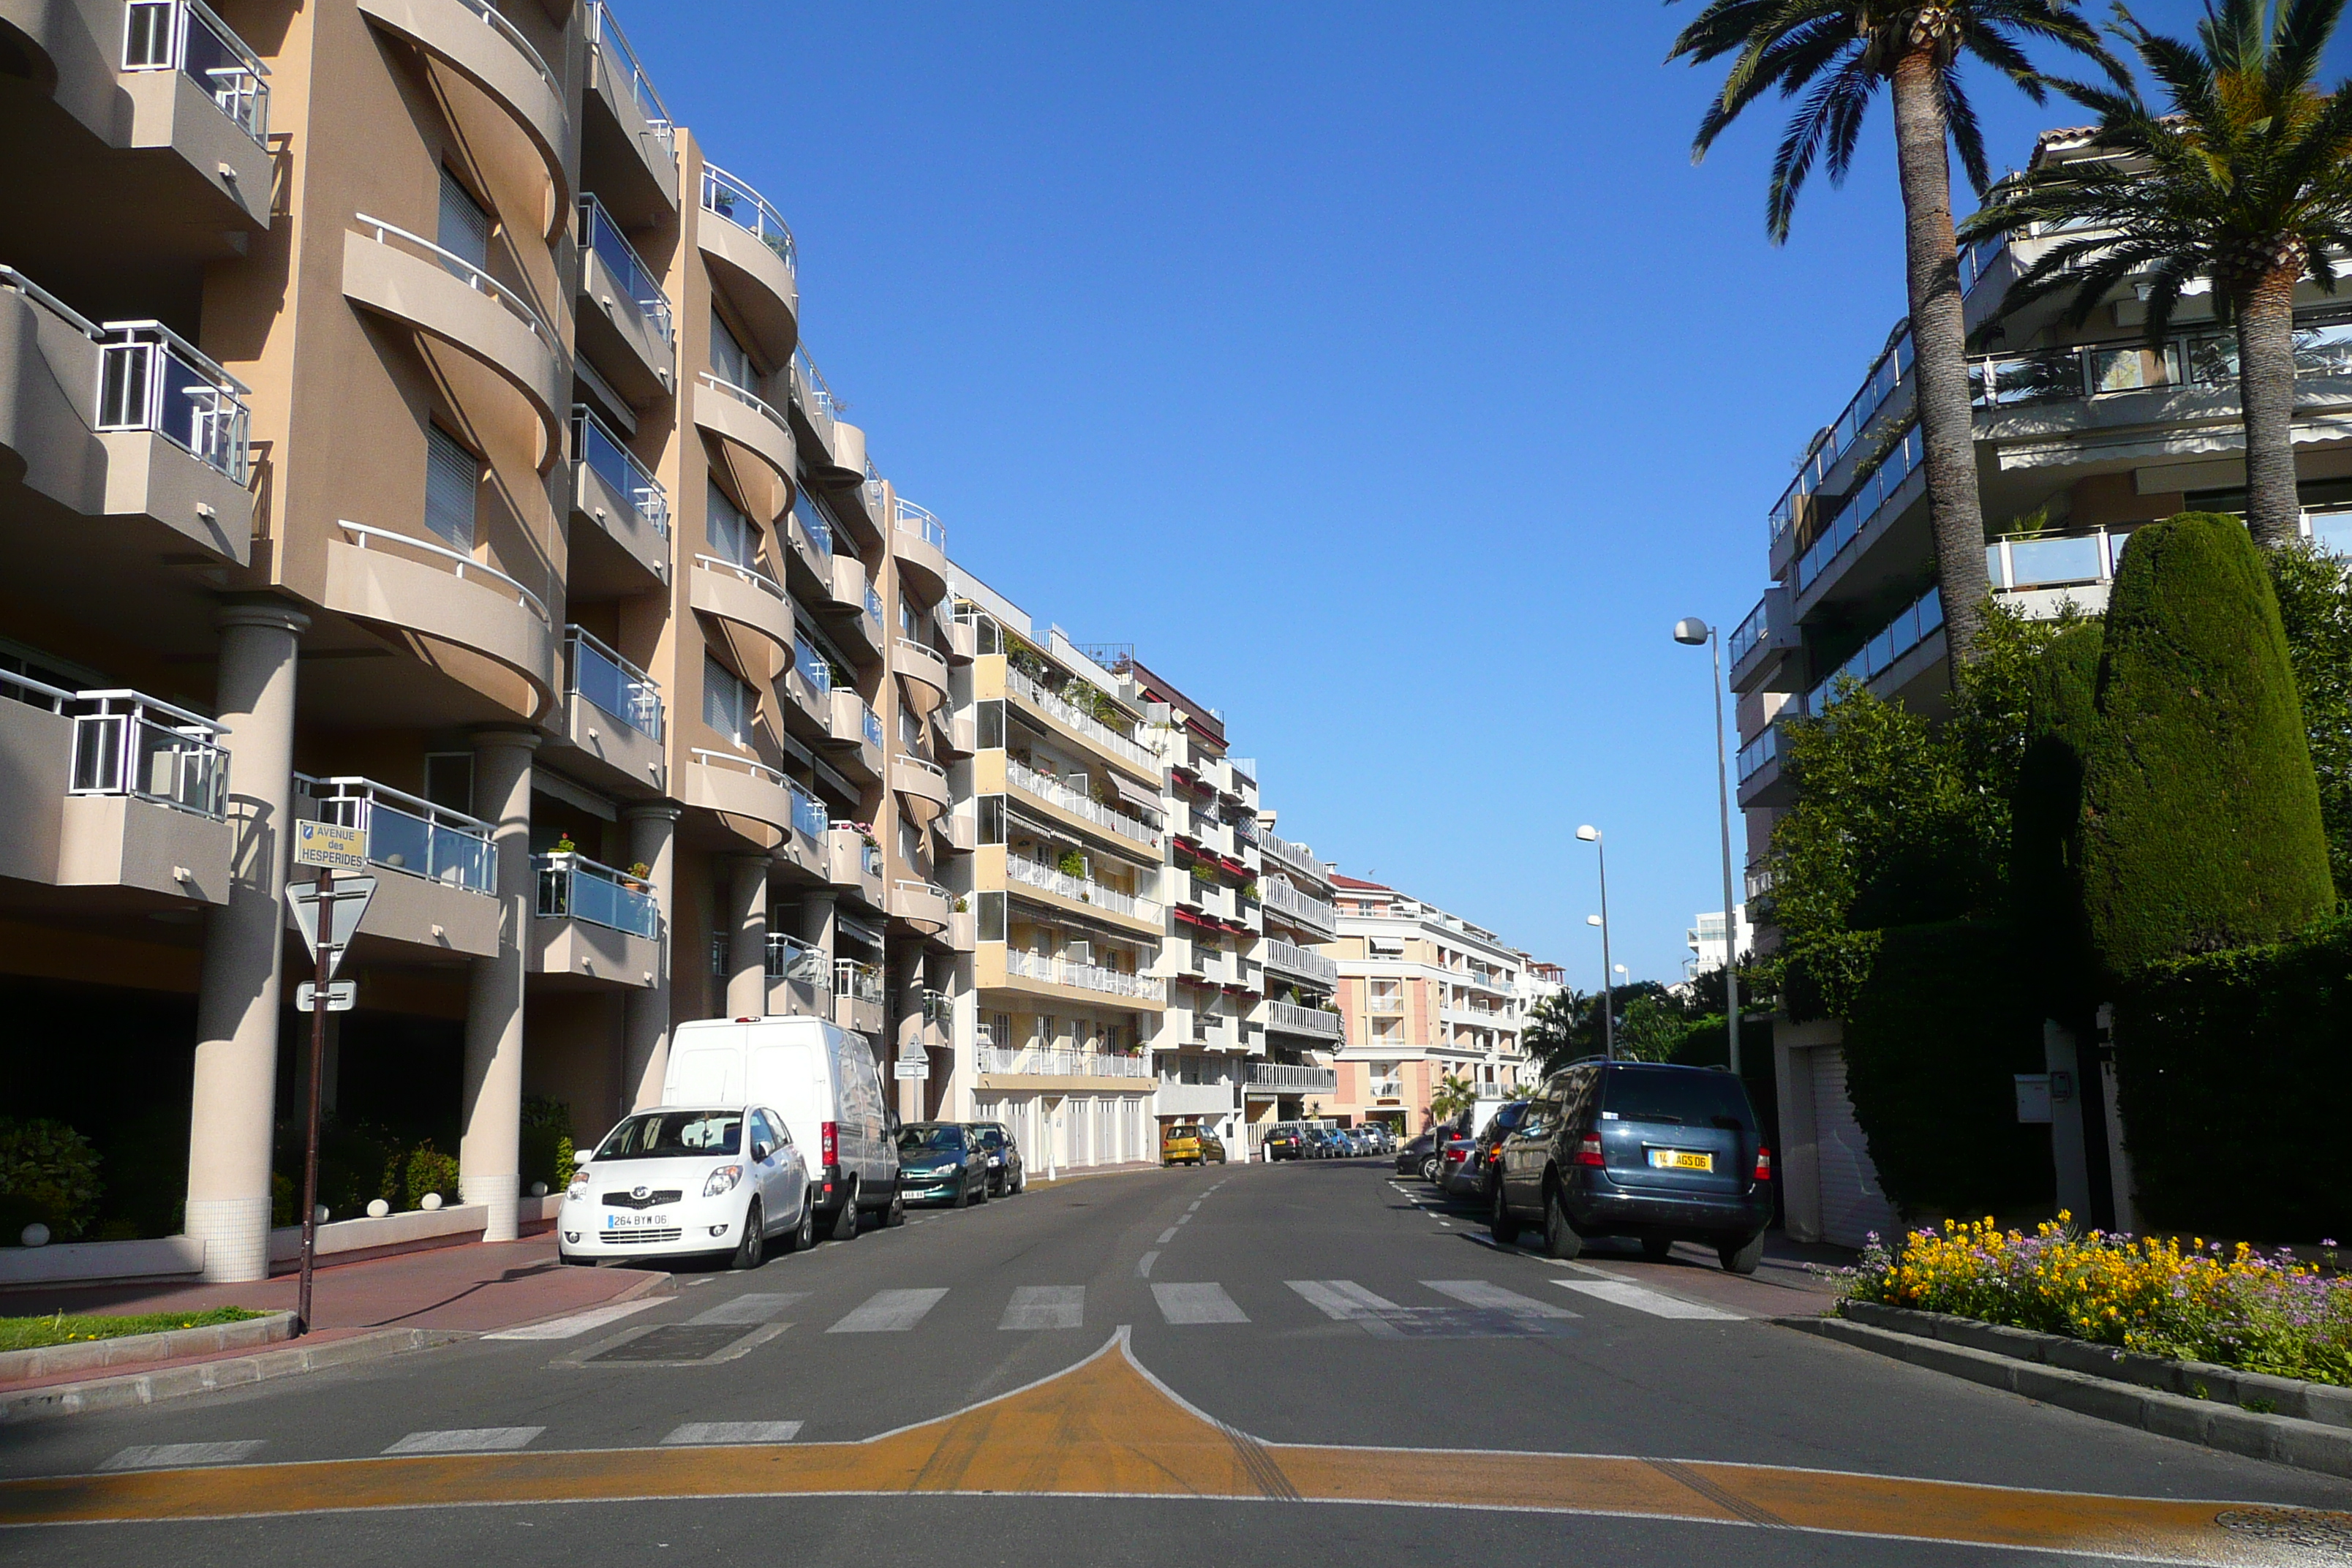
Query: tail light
column 1587, row 1153
column 828, row 1139
column 1763, row 1163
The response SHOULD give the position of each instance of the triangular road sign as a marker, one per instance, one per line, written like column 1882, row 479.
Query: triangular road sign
column 350, row 897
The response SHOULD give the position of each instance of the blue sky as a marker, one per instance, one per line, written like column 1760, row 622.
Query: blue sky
column 1386, row 374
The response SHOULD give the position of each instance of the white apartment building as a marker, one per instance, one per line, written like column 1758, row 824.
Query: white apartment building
column 1705, row 939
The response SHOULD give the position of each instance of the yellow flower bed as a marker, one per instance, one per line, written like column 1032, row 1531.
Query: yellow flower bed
column 2158, row 1296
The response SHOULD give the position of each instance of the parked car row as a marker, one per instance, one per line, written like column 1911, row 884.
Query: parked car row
column 1314, row 1141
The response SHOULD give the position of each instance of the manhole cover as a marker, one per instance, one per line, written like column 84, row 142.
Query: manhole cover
column 675, row 1341
column 2293, row 1526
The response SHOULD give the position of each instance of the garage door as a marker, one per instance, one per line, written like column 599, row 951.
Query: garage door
column 1852, row 1204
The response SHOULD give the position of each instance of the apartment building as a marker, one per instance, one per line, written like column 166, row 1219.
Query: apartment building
column 407, row 425
column 1705, row 938
column 1426, row 996
column 2082, row 435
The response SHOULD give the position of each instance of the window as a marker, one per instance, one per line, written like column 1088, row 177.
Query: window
column 728, row 360
column 1385, row 1030
column 992, row 819
column 449, row 780
column 452, row 477
column 1048, row 1031
column 730, row 531
column 992, row 928
column 728, row 705
column 1385, row 998
column 999, row 1024
column 989, row 720
column 465, row 226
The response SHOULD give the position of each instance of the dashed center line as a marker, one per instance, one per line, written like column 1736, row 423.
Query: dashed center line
column 175, row 1456
column 468, row 1440
column 1168, row 1235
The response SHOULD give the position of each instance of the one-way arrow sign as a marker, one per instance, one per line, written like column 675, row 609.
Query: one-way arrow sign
column 350, row 898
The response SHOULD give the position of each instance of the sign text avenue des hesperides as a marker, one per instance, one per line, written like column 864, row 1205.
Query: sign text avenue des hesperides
column 330, row 844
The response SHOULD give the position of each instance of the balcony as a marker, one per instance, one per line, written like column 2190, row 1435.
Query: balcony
column 1002, row 1068
column 1091, row 978
column 1885, row 390
column 808, row 683
column 1083, row 728
column 1297, row 856
column 919, row 541
column 417, row 585
column 923, row 905
column 407, row 278
column 745, row 595
column 629, row 143
column 853, row 864
column 1299, row 907
column 962, row 831
column 1083, row 894
column 856, row 726
column 1284, row 1078
column 613, row 711
column 124, row 420
column 473, row 39
column 922, row 786
column 743, row 786
column 799, row 978
column 845, row 589
column 1762, row 779
column 442, row 895
column 738, row 415
column 1919, row 623
column 595, row 923
column 1876, row 501
column 810, row 539
column 623, row 324
column 112, row 789
column 858, row 996
column 841, row 447
column 750, row 253
column 1074, row 804
column 1289, row 958
column 627, row 505
column 925, row 672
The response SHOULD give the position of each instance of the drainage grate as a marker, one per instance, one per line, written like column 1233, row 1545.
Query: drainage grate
column 2327, row 1532
column 673, row 1342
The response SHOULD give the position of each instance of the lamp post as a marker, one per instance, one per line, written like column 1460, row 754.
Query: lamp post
column 1691, row 633
column 1591, row 834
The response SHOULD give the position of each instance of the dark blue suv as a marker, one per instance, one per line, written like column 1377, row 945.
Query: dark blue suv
column 1642, row 1149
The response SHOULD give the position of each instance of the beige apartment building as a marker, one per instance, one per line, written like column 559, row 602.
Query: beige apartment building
column 404, row 423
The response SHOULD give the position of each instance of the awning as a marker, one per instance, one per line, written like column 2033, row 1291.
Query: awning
column 1136, row 794
column 856, row 930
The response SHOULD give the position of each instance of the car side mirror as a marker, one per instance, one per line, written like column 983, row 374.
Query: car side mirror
column 760, row 1150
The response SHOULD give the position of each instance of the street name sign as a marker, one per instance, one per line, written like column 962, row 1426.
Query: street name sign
column 327, row 844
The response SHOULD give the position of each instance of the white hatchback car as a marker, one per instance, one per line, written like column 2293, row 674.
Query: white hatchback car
column 680, row 1181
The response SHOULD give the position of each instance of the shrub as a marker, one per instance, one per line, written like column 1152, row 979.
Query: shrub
column 2201, row 826
column 48, row 1173
column 2315, row 600
column 429, row 1170
column 2045, row 874
column 547, row 1151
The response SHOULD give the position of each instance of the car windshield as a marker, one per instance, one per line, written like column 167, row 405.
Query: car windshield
column 1679, row 1096
column 914, row 1140
column 673, row 1134
column 1509, row 1117
column 991, row 1137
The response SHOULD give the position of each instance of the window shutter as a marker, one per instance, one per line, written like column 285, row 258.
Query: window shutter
column 452, row 477
column 465, row 226
column 728, row 529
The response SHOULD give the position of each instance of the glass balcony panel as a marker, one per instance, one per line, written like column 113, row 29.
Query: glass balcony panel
column 573, row 887
column 623, row 695
column 2323, row 350
column 603, row 236
column 2043, row 562
column 2134, row 369
column 620, row 469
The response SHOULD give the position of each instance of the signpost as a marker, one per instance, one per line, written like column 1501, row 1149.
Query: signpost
column 322, row 908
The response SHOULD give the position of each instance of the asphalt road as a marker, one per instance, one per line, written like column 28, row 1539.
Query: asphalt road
column 1302, row 1363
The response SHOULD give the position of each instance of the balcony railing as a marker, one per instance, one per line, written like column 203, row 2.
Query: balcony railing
column 1085, row 889
column 1035, row 1063
column 491, row 18
column 459, row 563
column 406, row 834
column 1296, row 855
column 815, row 398
column 2199, row 359
column 1280, row 895
column 914, row 519
column 1918, row 621
column 1758, row 880
column 473, row 276
column 1084, row 976
column 605, row 36
column 1750, row 632
column 874, row 607
column 1282, row 1075
column 573, row 887
column 150, row 378
column 128, row 744
column 184, row 36
column 1293, row 959
column 597, row 446
column 858, row 981
column 1861, row 508
column 789, row 958
column 600, row 233
column 618, row 688
column 746, row 396
column 1084, row 724
column 1757, row 753
column 813, row 524
column 1291, row 1018
column 746, row 208
column 809, row 816
column 1054, row 791
column 812, row 666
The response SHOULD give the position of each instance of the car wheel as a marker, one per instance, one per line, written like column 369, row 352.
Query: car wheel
column 980, row 1196
column 1500, row 1225
column 1428, row 1170
column 803, row 1236
column 1560, row 1239
column 896, row 1215
column 845, row 1224
column 964, row 1194
column 1657, row 1248
column 1743, row 1258
column 753, row 1250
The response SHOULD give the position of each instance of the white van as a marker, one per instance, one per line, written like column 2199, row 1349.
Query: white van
column 822, row 1079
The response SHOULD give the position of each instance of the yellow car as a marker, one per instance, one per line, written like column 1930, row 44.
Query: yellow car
column 1186, row 1143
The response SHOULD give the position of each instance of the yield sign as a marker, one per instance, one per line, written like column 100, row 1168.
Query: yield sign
column 349, row 898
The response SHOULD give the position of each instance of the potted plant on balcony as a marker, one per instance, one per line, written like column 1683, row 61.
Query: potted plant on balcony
column 635, row 877
column 563, row 845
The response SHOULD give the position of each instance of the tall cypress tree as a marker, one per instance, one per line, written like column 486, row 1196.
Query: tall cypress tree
column 2200, row 825
column 2045, row 876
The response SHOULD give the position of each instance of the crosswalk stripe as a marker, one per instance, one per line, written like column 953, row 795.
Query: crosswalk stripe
column 1187, row 1304
column 1342, row 1299
column 755, row 1307
column 1624, row 1293
column 699, row 1433
column 1047, row 1307
column 577, row 1323
column 1482, row 1293
column 468, row 1440
column 174, row 1455
column 889, row 1312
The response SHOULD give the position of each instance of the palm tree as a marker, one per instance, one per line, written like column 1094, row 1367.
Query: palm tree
column 1837, row 53
column 2248, row 183
column 1452, row 1096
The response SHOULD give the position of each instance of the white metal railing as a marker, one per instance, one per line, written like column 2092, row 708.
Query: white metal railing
column 1311, row 911
column 475, row 277
column 1293, row 959
column 617, row 687
column 1293, row 854
column 606, row 38
column 808, row 814
column 874, row 607
column 747, row 209
column 811, row 667
column 789, row 958
column 746, row 396
column 814, row 396
column 595, row 444
column 859, row 982
column 914, row 519
column 573, row 887
column 925, row 764
column 150, row 378
column 752, row 574
column 513, row 35
column 1054, row 791
column 812, row 524
column 917, row 885
column 404, row 832
column 910, row 645
column 1085, row 889
column 1036, row 1062
column 462, row 564
column 125, row 742
column 1291, row 1018
column 1758, row 881
column 599, row 236
column 1084, row 976
column 1084, row 724
column 184, row 36
column 1284, row 1074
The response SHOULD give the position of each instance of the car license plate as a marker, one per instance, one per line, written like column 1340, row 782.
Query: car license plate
column 636, row 1221
column 993, row 1161
column 1681, row 1160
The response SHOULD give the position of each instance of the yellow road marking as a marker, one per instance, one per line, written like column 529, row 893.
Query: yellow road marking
column 1107, row 1427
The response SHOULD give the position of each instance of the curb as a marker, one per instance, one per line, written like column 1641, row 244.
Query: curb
column 169, row 1344
column 204, row 1377
column 2282, row 1439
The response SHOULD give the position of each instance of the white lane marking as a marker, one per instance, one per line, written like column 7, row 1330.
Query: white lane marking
column 889, row 1312
column 173, row 1456
column 699, row 1434
column 1168, row 1235
column 468, row 1440
column 1143, row 1265
column 1484, row 1293
column 1184, row 1219
column 1181, row 1304
column 1342, row 1299
column 578, row 1324
column 1047, row 1307
column 1621, row 1293
column 757, row 1307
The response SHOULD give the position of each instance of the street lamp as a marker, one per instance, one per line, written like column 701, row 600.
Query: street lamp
column 1591, row 834
column 1690, row 633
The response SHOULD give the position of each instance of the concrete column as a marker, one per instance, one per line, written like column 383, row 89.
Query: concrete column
column 645, row 1028
column 818, row 912
column 746, row 940
column 234, row 1104
column 489, row 1144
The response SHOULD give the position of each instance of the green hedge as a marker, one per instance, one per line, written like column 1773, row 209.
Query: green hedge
column 2234, row 1070
column 2045, row 861
column 48, row 1174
